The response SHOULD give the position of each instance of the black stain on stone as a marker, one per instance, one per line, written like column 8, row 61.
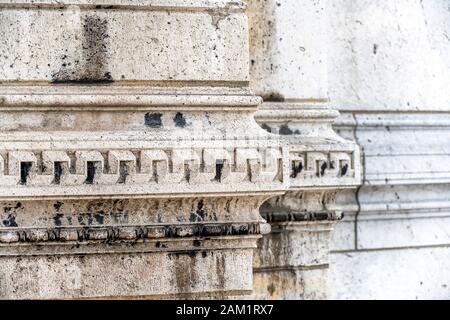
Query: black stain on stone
column 199, row 214
column 106, row 79
column 57, row 219
column 375, row 48
column 90, row 218
column 220, row 270
column 105, row 7
column 10, row 212
column 296, row 169
column 271, row 289
column 158, row 244
column 179, row 120
column 153, row 120
column 332, row 165
column 57, row 205
column 176, row 255
column 273, row 97
column 196, row 243
column 99, row 218
column 323, row 167
column 81, row 220
column 91, row 68
column 266, row 127
column 200, row 211
column 285, row 130
column 10, row 221
column 299, row 216
column 240, row 230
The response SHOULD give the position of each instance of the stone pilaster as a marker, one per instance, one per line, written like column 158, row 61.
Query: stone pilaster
column 130, row 161
column 289, row 70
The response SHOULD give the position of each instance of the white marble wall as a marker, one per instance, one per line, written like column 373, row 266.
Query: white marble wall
column 389, row 75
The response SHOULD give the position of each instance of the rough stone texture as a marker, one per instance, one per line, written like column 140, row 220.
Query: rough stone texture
column 138, row 275
column 389, row 55
column 291, row 284
column 389, row 73
column 164, row 40
column 385, row 67
column 288, row 54
column 130, row 162
column 404, row 273
column 294, row 262
column 289, row 70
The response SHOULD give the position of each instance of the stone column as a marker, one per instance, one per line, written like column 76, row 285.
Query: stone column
column 130, row 161
column 288, row 56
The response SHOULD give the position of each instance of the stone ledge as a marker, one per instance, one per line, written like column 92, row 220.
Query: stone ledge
column 146, row 96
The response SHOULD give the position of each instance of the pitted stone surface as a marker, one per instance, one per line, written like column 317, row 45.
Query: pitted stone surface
column 130, row 162
column 289, row 70
column 172, row 41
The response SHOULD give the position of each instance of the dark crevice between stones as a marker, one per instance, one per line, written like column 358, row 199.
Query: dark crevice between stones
column 91, row 170
column 219, row 170
column 25, row 169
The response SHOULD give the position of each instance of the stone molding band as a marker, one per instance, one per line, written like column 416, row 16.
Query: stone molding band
column 280, row 217
column 123, row 97
column 112, row 234
column 157, row 171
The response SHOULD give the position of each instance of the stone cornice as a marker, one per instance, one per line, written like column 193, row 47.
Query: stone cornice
column 116, row 233
column 319, row 158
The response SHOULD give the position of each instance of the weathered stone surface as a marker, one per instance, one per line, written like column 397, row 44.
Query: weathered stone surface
column 130, row 162
column 388, row 76
column 138, row 275
column 413, row 273
column 389, row 55
column 288, row 54
column 291, row 284
column 123, row 41
column 289, row 70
